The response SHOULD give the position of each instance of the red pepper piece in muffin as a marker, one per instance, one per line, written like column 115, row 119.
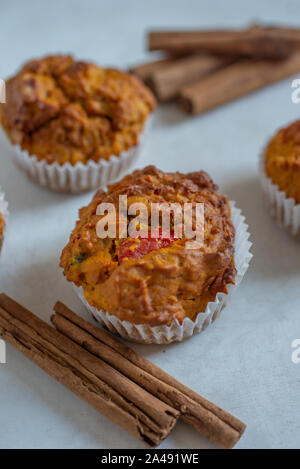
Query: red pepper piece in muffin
column 140, row 246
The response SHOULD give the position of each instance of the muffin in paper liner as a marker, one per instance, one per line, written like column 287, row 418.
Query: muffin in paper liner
column 284, row 210
column 79, row 177
column 4, row 212
column 143, row 333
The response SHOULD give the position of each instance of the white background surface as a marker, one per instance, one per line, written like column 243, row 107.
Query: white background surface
column 243, row 361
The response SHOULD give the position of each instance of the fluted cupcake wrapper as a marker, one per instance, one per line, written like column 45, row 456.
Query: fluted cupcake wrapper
column 283, row 209
column 4, row 212
column 143, row 333
column 79, row 177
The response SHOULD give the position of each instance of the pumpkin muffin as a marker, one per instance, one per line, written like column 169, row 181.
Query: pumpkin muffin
column 3, row 216
column 2, row 226
column 282, row 160
column 153, row 281
column 64, row 112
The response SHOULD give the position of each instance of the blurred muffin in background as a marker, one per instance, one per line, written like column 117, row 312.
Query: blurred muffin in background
column 281, row 176
column 282, row 160
column 2, row 226
column 3, row 217
column 60, row 112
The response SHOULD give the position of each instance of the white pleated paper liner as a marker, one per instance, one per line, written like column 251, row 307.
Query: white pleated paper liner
column 283, row 209
column 143, row 333
column 4, row 212
column 79, row 177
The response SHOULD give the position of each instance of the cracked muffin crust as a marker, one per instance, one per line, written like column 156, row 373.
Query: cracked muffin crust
column 62, row 110
column 164, row 281
column 282, row 160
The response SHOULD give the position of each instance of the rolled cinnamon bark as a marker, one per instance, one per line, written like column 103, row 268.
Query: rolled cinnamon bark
column 290, row 35
column 167, row 81
column 234, row 81
column 214, row 423
column 253, row 42
column 108, row 391
column 144, row 70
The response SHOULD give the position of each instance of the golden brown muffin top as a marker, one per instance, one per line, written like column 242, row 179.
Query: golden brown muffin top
column 169, row 283
column 67, row 111
column 282, row 160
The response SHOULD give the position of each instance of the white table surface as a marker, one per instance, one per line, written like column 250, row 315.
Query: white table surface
column 243, row 361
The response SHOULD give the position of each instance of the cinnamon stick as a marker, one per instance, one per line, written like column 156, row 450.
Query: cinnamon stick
column 214, row 423
column 290, row 35
column 144, row 70
column 167, row 81
column 255, row 41
column 234, row 81
column 103, row 387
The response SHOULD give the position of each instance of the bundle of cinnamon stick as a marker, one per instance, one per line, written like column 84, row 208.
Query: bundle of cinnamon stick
column 121, row 384
column 205, row 69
